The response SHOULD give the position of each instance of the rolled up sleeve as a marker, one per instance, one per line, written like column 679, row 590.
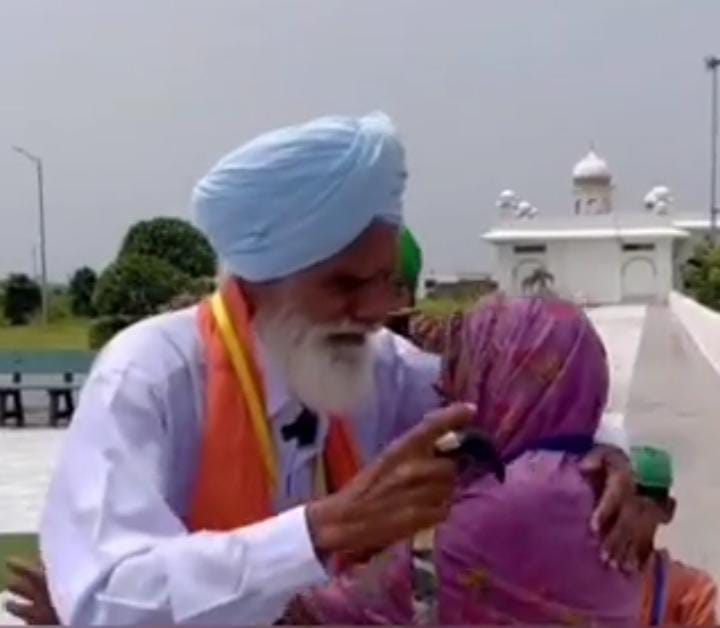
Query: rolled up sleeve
column 117, row 552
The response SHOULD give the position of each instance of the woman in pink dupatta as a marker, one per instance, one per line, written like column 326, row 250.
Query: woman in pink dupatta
column 522, row 551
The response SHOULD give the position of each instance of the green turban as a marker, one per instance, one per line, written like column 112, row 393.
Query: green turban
column 410, row 259
column 652, row 467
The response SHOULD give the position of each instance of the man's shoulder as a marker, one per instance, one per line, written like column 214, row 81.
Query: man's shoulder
column 156, row 346
column 390, row 346
column 689, row 577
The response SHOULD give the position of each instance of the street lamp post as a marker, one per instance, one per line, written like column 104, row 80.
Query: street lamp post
column 711, row 64
column 41, row 211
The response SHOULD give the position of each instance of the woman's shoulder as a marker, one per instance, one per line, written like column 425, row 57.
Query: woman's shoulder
column 537, row 484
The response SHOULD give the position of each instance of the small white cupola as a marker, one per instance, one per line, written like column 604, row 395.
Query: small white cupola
column 592, row 185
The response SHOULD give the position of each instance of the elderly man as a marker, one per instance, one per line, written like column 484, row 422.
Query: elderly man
column 224, row 457
column 197, row 428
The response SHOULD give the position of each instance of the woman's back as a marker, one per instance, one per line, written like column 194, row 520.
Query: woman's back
column 510, row 553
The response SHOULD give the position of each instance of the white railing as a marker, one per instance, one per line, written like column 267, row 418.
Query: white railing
column 701, row 323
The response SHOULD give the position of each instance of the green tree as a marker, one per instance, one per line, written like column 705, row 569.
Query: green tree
column 81, row 288
column 23, row 299
column 137, row 286
column 701, row 275
column 173, row 240
column 539, row 282
column 104, row 328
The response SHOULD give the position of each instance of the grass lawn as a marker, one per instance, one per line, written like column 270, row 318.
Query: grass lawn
column 15, row 545
column 445, row 307
column 67, row 334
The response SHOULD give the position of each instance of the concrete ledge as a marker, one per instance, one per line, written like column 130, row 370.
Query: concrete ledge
column 701, row 323
column 6, row 619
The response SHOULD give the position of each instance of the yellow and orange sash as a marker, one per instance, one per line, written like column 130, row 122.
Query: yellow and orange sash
column 238, row 473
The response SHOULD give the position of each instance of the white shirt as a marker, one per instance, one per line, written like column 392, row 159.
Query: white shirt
column 112, row 535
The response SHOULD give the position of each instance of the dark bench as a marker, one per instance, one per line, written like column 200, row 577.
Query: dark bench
column 60, row 368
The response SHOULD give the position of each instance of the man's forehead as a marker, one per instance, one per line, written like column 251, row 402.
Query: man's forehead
column 374, row 250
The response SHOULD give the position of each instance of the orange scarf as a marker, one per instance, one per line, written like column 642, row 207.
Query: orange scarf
column 237, row 473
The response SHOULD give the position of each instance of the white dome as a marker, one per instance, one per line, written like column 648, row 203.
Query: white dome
column 525, row 209
column 659, row 199
column 591, row 168
column 507, row 200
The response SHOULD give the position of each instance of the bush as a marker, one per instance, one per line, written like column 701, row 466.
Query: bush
column 103, row 329
column 701, row 275
column 442, row 307
column 81, row 288
column 22, row 299
column 196, row 291
column 59, row 308
column 137, row 286
column 180, row 302
column 173, row 240
column 202, row 287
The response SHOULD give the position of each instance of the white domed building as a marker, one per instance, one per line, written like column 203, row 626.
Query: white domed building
column 592, row 253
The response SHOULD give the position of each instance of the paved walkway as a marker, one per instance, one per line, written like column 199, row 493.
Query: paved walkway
column 27, row 459
column 675, row 402
column 620, row 328
column 6, row 619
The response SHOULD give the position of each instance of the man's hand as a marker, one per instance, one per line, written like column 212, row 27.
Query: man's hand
column 618, row 516
column 406, row 490
column 26, row 580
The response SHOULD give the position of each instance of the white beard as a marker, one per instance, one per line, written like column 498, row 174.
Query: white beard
column 325, row 374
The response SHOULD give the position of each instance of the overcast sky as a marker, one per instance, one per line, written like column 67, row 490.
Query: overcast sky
column 130, row 101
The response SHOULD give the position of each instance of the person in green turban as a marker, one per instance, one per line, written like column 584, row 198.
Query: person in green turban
column 426, row 332
column 675, row 593
column 410, row 259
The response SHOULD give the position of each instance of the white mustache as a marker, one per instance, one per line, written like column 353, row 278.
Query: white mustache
column 346, row 329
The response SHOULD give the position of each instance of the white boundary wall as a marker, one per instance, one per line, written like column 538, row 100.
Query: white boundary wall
column 701, row 323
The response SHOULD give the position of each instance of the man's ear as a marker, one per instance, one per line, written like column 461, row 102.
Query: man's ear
column 668, row 510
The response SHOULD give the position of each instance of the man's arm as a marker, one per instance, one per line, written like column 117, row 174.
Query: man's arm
column 115, row 551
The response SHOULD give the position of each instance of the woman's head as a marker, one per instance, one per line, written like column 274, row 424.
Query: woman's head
column 536, row 369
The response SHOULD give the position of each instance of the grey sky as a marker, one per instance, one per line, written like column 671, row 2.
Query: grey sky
column 129, row 102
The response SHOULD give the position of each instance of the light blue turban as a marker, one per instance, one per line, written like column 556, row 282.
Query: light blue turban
column 297, row 196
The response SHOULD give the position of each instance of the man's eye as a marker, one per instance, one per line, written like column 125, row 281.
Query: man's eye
column 398, row 284
column 353, row 284
column 348, row 284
